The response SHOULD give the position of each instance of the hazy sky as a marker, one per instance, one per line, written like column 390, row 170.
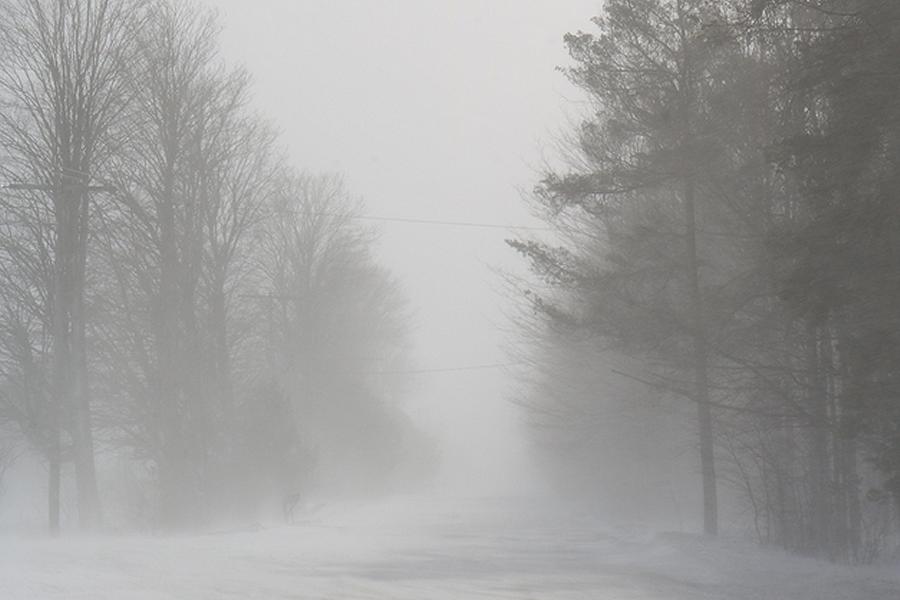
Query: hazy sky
column 437, row 110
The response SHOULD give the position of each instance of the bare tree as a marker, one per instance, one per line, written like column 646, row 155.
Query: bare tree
column 335, row 320
column 63, row 87
column 194, row 178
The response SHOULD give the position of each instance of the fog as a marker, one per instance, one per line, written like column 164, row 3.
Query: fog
column 385, row 98
column 449, row 299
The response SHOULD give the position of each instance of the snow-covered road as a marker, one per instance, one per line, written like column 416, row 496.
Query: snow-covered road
column 418, row 550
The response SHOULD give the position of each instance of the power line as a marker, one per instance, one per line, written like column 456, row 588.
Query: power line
column 447, row 223
column 487, row 367
column 411, row 220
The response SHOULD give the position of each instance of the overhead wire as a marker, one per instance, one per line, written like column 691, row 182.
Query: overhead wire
column 486, row 367
column 409, row 220
column 415, row 221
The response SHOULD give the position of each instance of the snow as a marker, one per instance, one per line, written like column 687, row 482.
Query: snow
column 427, row 548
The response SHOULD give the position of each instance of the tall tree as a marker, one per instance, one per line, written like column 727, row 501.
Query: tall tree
column 337, row 320
column 64, row 81
column 751, row 233
column 194, row 178
column 646, row 152
column 838, row 256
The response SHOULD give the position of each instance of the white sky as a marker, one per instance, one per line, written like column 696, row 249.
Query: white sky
column 432, row 109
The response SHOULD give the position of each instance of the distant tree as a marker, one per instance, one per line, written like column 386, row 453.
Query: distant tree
column 335, row 320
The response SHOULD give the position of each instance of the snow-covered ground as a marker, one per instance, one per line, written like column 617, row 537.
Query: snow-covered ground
column 406, row 549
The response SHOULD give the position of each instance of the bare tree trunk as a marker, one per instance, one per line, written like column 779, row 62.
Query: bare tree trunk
column 854, row 509
column 849, row 402
column 89, row 515
column 61, row 357
column 171, row 452
column 53, row 482
column 700, row 360
column 818, row 536
column 221, row 351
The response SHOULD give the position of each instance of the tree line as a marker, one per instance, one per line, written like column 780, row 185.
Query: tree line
column 727, row 234
column 172, row 292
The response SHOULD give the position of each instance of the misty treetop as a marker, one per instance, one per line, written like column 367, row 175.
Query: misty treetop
column 172, row 294
column 725, row 248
